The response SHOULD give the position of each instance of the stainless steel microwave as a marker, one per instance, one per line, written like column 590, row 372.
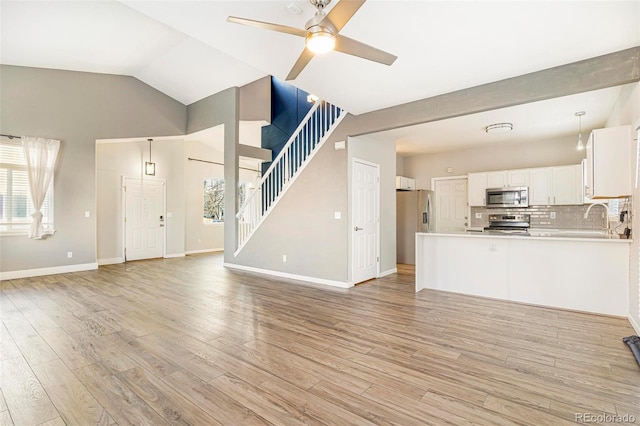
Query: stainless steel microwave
column 516, row 196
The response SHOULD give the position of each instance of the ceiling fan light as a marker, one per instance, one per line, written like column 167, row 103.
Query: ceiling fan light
column 320, row 42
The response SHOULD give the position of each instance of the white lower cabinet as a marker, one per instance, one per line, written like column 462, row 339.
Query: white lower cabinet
column 578, row 274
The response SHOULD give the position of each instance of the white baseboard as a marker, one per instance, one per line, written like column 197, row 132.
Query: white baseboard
column 388, row 272
column 305, row 278
column 171, row 256
column 111, row 261
column 635, row 325
column 216, row 250
column 14, row 275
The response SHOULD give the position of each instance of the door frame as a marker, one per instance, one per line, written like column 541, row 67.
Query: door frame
column 433, row 188
column 355, row 160
column 123, row 212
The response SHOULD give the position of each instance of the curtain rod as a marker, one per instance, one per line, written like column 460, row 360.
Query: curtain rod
column 220, row 164
column 10, row 136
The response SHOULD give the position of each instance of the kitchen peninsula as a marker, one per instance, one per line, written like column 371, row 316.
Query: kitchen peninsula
column 570, row 271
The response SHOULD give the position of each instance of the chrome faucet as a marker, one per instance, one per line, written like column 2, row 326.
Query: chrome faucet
column 606, row 208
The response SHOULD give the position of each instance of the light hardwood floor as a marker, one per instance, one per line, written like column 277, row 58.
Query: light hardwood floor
column 185, row 341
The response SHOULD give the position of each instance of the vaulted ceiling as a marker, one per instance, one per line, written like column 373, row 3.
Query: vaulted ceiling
column 187, row 50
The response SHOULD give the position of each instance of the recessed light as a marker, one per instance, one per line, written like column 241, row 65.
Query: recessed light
column 499, row 128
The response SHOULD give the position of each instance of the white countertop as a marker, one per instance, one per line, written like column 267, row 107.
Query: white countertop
column 537, row 234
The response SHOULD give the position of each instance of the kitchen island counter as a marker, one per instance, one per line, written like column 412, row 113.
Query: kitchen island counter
column 579, row 273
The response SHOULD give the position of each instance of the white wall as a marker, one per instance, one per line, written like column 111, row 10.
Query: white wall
column 384, row 154
column 117, row 160
column 556, row 152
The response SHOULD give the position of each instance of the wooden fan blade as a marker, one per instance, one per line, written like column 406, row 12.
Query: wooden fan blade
column 353, row 47
column 302, row 62
column 342, row 12
column 268, row 26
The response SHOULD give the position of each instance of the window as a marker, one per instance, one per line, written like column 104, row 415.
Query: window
column 213, row 211
column 16, row 206
column 213, row 201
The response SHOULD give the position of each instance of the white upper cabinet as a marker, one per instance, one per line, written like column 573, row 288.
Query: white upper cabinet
column 476, row 187
column 567, row 185
column 405, row 183
column 518, row 177
column 497, row 179
column 609, row 163
column 540, row 186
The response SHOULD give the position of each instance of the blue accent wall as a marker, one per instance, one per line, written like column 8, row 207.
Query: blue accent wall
column 288, row 107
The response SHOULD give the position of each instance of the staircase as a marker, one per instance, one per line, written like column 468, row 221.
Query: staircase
column 306, row 140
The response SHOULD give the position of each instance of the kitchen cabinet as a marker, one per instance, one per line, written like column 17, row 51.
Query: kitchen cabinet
column 567, row 185
column 476, row 187
column 540, row 186
column 518, row 177
column 609, row 163
column 405, row 183
column 497, row 179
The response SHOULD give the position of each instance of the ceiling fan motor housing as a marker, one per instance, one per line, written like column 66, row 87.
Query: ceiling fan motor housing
column 320, row 4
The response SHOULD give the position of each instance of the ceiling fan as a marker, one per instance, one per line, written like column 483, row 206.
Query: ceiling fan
column 321, row 34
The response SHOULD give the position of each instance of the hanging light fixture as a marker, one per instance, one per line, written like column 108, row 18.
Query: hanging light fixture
column 149, row 167
column 580, row 146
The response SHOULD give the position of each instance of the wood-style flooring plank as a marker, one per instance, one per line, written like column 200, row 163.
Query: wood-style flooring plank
column 27, row 401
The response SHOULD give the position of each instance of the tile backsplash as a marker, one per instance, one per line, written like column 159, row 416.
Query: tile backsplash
column 566, row 217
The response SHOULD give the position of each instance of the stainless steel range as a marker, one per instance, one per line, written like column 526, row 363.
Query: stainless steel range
column 509, row 223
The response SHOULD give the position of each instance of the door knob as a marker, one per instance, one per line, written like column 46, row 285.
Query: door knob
column 357, row 229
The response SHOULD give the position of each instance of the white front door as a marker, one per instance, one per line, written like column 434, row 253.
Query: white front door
column 144, row 219
column 451, row 205
column 365, row 220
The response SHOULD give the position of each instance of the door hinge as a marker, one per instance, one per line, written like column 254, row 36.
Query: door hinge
column 378, row 259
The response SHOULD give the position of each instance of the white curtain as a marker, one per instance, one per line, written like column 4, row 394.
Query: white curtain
column 40, row 155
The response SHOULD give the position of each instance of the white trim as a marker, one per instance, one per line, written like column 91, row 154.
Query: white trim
column 111, row 261
column 278, row 274
column 171, row 256
column 388, row 272
column 214, row 250
column 26, row 273
column 634, row 324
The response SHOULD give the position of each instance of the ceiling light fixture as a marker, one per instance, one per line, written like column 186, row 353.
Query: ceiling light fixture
column 320, row 40
column 580, row 146
column 149, row 167
column 499, row 128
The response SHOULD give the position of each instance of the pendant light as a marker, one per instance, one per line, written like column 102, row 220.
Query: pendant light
column 580, row 146
column 149, row 167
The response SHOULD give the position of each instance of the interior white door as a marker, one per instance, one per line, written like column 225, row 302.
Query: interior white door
column 144, row 219
column 365, row 220
column 451, row 205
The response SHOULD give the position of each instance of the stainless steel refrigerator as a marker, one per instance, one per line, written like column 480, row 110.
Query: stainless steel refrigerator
column 414, row 213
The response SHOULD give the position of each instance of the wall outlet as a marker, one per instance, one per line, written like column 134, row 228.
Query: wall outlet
column 69, row 254
column 284, row 258
column 552, row 215
column 337, row 215
column 493, row 247
column 87, row 214
column 478, row 215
